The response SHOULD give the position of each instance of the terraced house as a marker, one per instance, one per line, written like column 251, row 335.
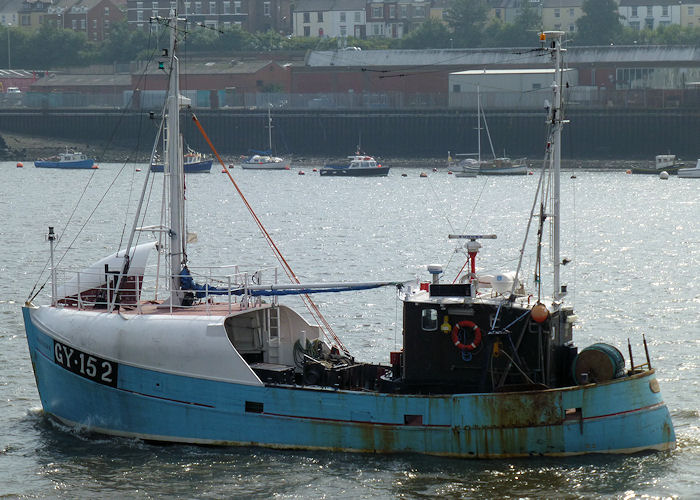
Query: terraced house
column 251, row 15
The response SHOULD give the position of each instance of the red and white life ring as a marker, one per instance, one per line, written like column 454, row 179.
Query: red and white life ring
column 477, row 335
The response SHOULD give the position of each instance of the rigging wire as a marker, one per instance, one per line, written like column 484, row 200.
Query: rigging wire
column 37, row 289
column 310, row 304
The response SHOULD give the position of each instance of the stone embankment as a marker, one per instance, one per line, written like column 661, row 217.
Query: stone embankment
column 14, row 147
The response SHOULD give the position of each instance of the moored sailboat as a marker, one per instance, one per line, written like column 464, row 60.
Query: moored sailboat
column 484, row 372
column 265, row 160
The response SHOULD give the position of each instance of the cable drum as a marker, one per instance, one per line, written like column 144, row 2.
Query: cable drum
column 598, row 363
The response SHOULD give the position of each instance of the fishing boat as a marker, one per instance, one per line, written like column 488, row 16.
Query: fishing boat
column 662, row 163
column 360, row 165
column 194, row 163
column 67, row 159
column 690, row 173
column 487, row 370
column 265, row 160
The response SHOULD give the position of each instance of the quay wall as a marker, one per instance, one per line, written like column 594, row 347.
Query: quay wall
column 592, row 134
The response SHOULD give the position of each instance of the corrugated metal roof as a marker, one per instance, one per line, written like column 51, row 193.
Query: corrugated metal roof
column 503, row 57
column 219, row 67
column 119, row 80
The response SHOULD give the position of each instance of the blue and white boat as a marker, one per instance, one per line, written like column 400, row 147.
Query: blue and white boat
column 360, row 165
column 485, row 370
column 194, row 163
column 67, row 159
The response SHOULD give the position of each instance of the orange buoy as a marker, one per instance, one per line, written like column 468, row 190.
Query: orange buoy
column 301, row 172
column 539, row 313
column 530, row 172
column 314, row 170
column 423, row 174
column 628, row 171
column 286, row 167
column 223, row 170
column 95, row 167
column 449, row 172
column 138, row 169
column 20, row 164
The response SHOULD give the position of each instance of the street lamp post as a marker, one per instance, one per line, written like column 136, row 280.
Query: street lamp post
column 9, row 52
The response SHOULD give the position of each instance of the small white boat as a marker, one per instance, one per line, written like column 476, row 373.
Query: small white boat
column 690, row 173
column 662, row 163
column 264, row 160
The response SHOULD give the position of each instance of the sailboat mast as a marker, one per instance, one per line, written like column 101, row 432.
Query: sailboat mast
column 558, row 121
column 269, row 128
column 478, row 123
column 175, row 168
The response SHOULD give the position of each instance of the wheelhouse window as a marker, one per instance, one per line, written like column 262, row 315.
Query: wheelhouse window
column 429, row 320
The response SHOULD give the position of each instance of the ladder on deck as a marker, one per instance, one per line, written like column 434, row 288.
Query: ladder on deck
column 273, row 327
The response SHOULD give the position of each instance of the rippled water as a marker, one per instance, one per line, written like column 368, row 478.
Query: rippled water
column 634, row 242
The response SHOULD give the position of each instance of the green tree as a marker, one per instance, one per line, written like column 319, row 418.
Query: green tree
column 599, row 24
column 467, row 19
column 124, row 44
column 522, row 32
column 52, row 47
column 432, row 34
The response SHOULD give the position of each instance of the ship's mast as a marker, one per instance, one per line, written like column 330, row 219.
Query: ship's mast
column 175, row 168
column 554, row 40
column 478, row 125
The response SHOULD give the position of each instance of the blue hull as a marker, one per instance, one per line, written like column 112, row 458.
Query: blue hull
column 622, row 416
column 190, row 168
column 65, row 164
column 344, row 171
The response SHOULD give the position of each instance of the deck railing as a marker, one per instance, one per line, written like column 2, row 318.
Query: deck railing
column 205, row 286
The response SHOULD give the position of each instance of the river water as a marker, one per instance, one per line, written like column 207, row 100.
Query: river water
column 634, row 242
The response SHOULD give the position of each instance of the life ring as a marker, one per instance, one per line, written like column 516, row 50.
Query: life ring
column 477, row 335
